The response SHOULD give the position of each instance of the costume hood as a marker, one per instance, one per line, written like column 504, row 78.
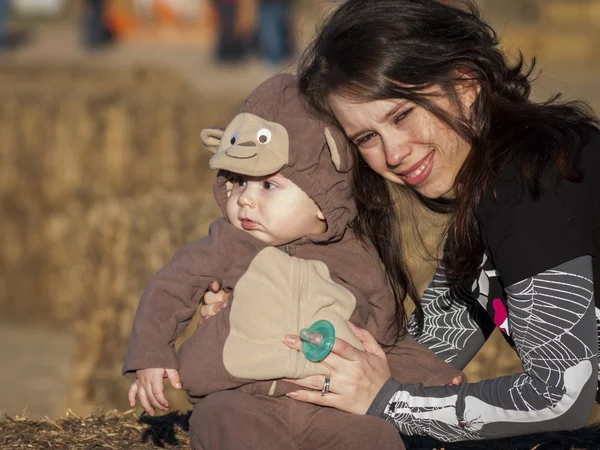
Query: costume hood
column 273, row 132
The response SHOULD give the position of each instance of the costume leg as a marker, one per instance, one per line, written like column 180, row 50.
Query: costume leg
column 233, row 420
column 331, row 429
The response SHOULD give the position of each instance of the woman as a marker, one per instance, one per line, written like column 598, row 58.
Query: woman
column 432, row 105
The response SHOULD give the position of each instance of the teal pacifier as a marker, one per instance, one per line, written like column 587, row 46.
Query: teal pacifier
column 317, row 340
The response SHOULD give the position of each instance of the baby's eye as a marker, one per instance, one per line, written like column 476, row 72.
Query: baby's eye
column 263, row 136
column 234, row 138
column 269, row 185
column 239, row 181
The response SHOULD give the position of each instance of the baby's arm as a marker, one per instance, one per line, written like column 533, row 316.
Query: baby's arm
column 167, row 305
column 171, row 300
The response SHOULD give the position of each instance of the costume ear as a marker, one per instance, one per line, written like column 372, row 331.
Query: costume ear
column 211, row 138
column 340, row 150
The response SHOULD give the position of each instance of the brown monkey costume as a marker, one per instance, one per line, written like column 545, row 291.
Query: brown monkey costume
column 231, row 366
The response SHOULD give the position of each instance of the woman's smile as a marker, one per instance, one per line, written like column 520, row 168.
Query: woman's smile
column 420, row 171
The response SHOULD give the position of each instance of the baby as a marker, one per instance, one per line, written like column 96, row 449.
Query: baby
column 286, row 250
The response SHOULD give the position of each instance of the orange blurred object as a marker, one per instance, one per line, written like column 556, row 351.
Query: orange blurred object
column 120, row 21
column 164, row 13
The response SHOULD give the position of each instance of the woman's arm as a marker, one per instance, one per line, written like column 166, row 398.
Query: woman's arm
column 455, row 325
column 553, row 326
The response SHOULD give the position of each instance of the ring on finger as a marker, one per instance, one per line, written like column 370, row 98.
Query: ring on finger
column 325, row 388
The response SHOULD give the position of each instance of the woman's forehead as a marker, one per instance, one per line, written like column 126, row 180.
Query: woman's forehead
column 377, row 110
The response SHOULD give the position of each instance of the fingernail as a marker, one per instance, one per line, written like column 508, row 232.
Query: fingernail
column 177, row 385
column 292, row 394
column 289, row 339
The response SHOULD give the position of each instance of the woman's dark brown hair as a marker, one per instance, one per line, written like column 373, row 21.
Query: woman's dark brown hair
column 381, row 49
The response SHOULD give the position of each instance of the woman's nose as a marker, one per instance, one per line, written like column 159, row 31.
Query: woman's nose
column 395, row 154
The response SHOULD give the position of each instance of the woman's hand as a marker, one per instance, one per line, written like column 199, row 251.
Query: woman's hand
column 214, row 300
column 356, row 376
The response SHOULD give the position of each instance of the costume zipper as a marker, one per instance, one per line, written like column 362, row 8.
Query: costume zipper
column 288, row 249
column 299, row 300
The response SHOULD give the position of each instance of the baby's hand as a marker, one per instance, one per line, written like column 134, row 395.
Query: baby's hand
column 215, row 299
column 456, row 381
column 149, row 387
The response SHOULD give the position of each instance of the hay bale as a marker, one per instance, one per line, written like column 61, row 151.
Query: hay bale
column 126, row 242
column 110, row 430
column 73, row 135
column 113, row 430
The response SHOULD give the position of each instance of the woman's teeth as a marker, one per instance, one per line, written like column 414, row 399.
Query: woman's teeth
column 419, row 171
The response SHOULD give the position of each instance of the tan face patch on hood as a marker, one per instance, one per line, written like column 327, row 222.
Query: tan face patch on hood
column 275, row 133
column 250, row 145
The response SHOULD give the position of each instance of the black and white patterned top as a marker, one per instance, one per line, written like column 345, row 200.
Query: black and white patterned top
column 536, row 283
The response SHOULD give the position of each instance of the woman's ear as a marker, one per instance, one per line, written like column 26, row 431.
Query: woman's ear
column 467, row 88
column 211, row 138
column 339, row 147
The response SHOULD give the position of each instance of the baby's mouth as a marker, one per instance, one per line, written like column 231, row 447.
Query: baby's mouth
column 248, row 224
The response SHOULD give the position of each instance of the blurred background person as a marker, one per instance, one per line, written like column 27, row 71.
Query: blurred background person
column 274, row 29
column 230, row 45
column 3, row 17
column 96, row 33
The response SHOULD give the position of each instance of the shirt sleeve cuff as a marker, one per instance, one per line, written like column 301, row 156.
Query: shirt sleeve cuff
column 382, row 399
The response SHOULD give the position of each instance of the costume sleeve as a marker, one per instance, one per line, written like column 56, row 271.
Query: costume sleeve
column 455, row 325
column 553, row 327
column 377, row 311
column 170, row 301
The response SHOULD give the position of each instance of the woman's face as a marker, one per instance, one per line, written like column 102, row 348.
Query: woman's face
column 403, row 142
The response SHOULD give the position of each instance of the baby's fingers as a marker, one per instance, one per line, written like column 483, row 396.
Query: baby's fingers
column 210, row 308
column 174, row 379
column 133, row 390
column 157, row 397
column 144, row 403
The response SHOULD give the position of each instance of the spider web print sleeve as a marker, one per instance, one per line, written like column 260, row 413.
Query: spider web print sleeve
column 455, row 325
column 552, row 318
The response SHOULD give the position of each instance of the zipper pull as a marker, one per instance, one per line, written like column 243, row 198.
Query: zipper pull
column 288, row 249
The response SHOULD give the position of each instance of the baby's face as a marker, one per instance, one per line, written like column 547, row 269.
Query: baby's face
column 273, row 209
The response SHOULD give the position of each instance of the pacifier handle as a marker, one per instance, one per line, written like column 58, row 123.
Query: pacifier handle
column 317, row 340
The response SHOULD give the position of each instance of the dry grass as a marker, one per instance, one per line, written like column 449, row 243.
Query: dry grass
column 116, row 431
column 111, row 430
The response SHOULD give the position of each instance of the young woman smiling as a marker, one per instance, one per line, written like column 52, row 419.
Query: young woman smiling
column 431, row 104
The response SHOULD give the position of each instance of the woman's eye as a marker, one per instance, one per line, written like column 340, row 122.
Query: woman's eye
column 269, row 185
column 263, row 136
column 363, row 140
column 402, row 116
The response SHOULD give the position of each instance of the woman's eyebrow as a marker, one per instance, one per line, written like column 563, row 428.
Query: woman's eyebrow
column 384, row 118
